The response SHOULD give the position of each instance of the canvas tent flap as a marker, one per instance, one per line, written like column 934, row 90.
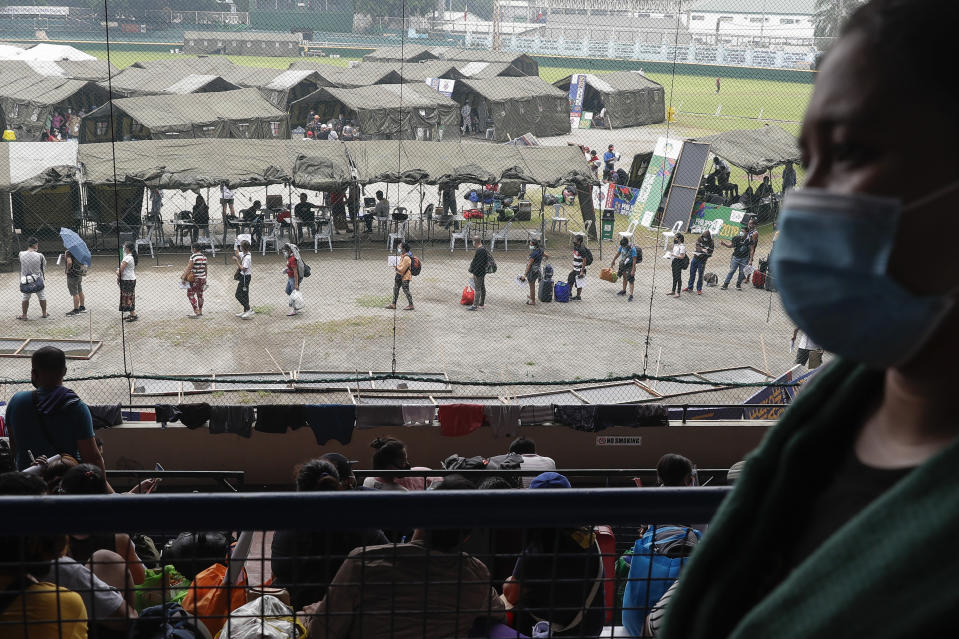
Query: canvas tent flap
column 190, row 163
column 755, row 150
column 35, row 165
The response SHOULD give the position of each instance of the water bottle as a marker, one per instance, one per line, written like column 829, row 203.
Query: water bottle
column 541, row 630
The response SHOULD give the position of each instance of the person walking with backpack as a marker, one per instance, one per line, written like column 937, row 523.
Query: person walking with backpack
column 404, row 273
column 629, row 256
column 582, row 257
column 703, row 251
column 478, row 269
column 244, row 271
column 533, row 269
column 33, row 267
column 195, row 277
column 75, row 272
column 127, row 279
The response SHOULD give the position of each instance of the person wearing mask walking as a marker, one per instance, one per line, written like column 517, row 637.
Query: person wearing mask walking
column 195, row 277
column 74, row 271
column 577, row 277
column 127, row 279
column 477, row 271
column 704, row 250
column 33, row 266
column 629, row 256
column 244, row 271
column 679, row 261
column 403, row 276
column 533, row 269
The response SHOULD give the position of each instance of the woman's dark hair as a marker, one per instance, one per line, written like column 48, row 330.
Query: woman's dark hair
column 256, row 205
column 523, row 446
column 84, row 479
column 317, row 474
column 623, row 241
column 673, row 469
column 132, row 247
column 389, row 452
column 495, row 483
column 680, row 237
column 405, row 246
column 245, row 246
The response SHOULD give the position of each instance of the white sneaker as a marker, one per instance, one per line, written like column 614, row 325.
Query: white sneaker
column 240, row 314
column 248, row 314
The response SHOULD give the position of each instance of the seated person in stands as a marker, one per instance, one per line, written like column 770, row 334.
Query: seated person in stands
column 105, row 553
column 303, row 211
column 526, row 448
column 719, row 175
column 675, row 470
column 381, row 210
column 424, row 589
column 305, row 561
column 343, row 468
column 390, row 454
column 558, row 578
column 254, row 218
column 29, row 606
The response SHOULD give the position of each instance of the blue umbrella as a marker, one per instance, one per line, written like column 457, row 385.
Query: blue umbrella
column 75, row 244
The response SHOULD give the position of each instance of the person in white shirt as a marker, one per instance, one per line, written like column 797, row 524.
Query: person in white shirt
column 226, row 199
column 244, row 270
column 680, row 262
column 526, row 448
column 808, row 353
column 127, row 279
column 467, row 112
column 33, row 266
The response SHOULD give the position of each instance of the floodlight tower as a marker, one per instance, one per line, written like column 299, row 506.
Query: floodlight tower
column 496, row 26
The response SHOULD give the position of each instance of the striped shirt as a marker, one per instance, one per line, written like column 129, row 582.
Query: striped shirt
column 199, row 265
column 577, row 261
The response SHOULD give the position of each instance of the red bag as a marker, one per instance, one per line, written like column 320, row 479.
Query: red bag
column 472, row 214
column 759, row 278
column 468, row 296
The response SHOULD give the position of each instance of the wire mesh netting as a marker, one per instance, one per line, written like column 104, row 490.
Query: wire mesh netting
column 344, row 146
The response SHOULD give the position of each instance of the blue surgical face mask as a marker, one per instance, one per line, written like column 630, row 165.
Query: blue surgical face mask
column 830, row 266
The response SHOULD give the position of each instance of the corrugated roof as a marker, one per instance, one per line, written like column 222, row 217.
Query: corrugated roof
column 195, row 108
column 256, row 36
column 771, row 7
column 512, row 88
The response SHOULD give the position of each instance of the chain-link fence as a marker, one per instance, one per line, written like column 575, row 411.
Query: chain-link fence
column 450, row 123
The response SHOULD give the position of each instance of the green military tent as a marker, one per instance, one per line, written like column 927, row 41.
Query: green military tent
column 622, row 98
column 243, row 113
column 507, row 107
column 26, row 101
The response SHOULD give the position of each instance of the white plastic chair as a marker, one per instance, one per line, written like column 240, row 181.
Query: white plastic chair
column 668, row 235
column 558, row 220
column 145, row 239
column 398, row 236
column 324, row 234
column 461, row 235
column 502, row 234
column 273, row 236
column 628, row 233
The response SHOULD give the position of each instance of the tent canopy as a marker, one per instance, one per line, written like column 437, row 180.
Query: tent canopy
column 199, row 163
column 27, row 100
column 185, row 164
column 755, row 150
column 525, row 64
column 516, row 106
column 93, row 70
column 629, row 97
column 213, row 115
column 134, row 82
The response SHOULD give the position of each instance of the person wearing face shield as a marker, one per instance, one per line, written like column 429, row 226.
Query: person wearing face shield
column 843, row 522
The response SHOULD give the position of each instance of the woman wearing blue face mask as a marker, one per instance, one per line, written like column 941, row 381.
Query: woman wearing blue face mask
column 843, row 522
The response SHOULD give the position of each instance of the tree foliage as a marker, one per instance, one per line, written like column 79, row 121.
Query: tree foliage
column 831, row 15
column 394, row 8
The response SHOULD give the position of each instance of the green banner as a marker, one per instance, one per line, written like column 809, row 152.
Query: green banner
column 653, row 189
column 721, row 221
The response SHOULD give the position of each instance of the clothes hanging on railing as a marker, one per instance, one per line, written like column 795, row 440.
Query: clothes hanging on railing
column 272, row 418
column 457, row 420
column 232, row 419
column 331, row 421
column 418, row 414
column 194, row 415
column 105, row 416
column 504, row 420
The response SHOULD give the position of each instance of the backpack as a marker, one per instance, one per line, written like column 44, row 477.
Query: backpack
column 550, row 200
column 587, row 255
column 306, row 270
column 166, row 622
column 657, row 559
column 547, row 271
column 490, row 264
column 416, row 265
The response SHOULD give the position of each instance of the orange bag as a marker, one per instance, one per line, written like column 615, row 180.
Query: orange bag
column 211, row 600
column 608, row 275
column 469, row 295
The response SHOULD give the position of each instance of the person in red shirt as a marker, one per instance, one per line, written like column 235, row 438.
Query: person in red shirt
column 294, row 273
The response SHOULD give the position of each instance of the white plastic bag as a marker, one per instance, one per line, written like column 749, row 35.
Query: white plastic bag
column 265, row 617
column 296, row 300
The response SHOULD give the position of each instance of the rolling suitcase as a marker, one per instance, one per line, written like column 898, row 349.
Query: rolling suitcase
column 546, row 290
